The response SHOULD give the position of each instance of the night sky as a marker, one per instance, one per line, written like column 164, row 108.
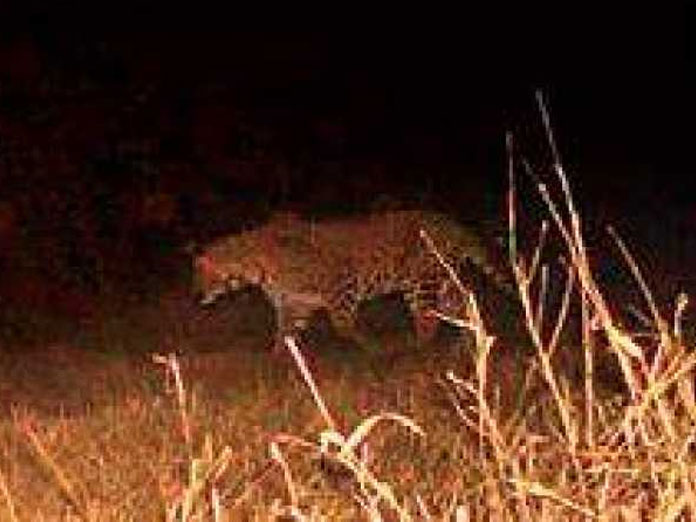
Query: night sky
column 234, row 115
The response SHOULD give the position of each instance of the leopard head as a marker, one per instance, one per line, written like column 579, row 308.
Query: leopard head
column 215, row 278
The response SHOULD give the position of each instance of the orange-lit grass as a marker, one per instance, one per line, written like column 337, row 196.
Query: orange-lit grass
column 430, row 442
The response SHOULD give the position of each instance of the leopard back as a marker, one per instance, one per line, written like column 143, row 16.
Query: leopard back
column 337, row 264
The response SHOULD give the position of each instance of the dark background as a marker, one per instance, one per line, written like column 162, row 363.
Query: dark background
column 130, row 132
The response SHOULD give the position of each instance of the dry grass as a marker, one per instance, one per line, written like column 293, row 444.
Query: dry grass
column 431, row 441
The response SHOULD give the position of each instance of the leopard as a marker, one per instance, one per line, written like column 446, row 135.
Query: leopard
column 336, row 264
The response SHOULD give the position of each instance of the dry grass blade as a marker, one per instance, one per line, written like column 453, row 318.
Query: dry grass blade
column 364, row 428
column 451, row 272
column 511, row 200
column 204, row 474
column 72, row 490
column 540, row 491
column 588, row 352
column 544, row 358
column 307, row 376
column 487, row 426
column 638, row 276
column 173, row 369
column 372, row 490
column 8, row 498
column 278, row 457
column 473, row 322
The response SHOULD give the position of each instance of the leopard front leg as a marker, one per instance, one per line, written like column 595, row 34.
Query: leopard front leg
column 293, row 315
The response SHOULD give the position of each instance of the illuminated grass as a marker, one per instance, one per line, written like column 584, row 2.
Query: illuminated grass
column 218, row 437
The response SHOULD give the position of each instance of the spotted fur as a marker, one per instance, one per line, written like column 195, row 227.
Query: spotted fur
column 336, row 264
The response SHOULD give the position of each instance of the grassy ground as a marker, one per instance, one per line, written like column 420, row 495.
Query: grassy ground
column 597, row 425
column 443, row 432
column 104, row 436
